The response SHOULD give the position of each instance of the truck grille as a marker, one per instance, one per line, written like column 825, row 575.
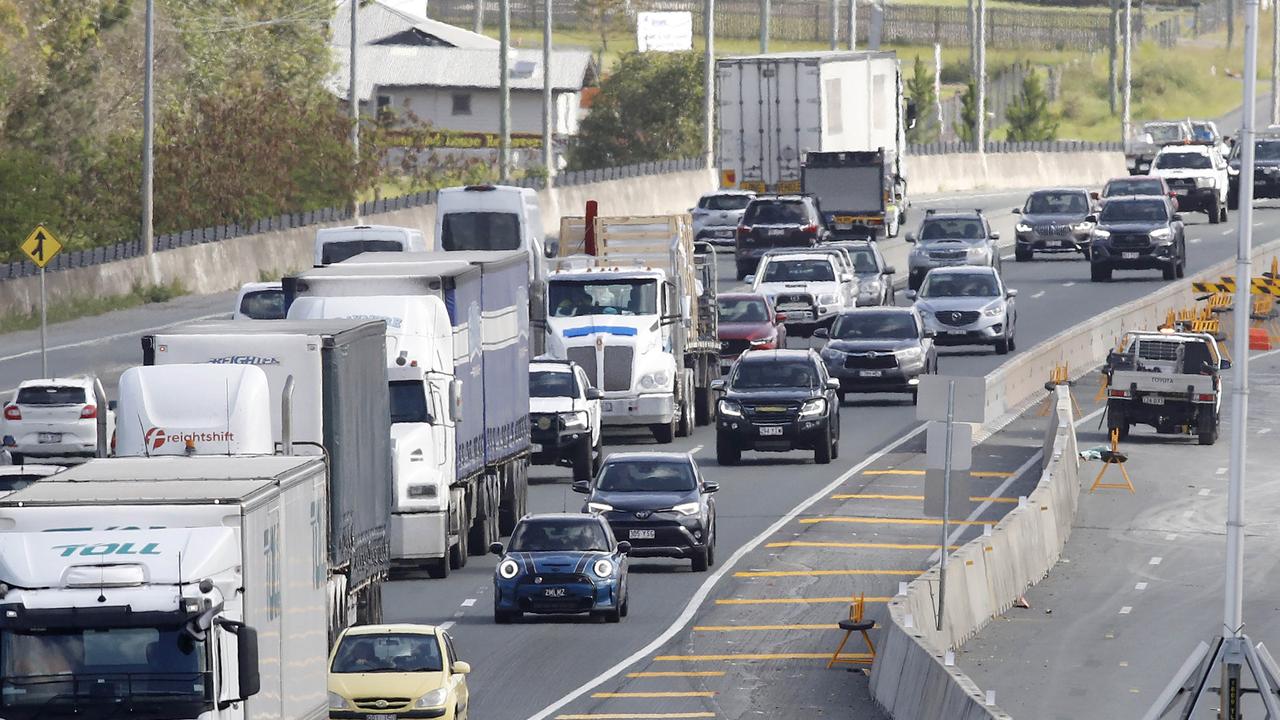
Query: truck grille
column 617, row 367
column 1130, row 241
column 956, row 318
column 1181, row 183
column 769, row 412
column 873, row 360
column 585, row 357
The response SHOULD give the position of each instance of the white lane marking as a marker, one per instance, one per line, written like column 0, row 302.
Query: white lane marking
column 951, row 199
column 1227, row 232
column 1038, row 295
column 695, row 602
column 695, row 449
column 1220, row 471
column 109, row 338
column 1264, row 431
column 1171, row 537
column 1010, row 256
column 1204, row 492
column 1193, row 241
column 446, row 625
column 1126, row 610
column 1155, row 560
column 1140, row 587
column 1188, row 514
column 468, row 602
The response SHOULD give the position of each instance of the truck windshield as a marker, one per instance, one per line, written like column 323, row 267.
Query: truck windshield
column 1134, row 211
column 85, row 667
column 1266, row 150
column 480, row 231
column 550, row 384
column 336, row 252
column 874, row 326
column 569, row 298
column 799, row 271
column 409, row 402
column 1058, row 203
column 388, row 653
column 1188, row 160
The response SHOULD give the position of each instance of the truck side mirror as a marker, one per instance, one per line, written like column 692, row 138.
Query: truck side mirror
column 551, row 249
column 250, row 680
column 1224, row 364
column 455, row 400
column 581, row 486
column 717, row 385
column 822, row 333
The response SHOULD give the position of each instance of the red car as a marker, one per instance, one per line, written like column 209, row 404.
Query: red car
column 748, row 322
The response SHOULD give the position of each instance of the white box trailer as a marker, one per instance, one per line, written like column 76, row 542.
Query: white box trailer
column 775, row 108
column 204, row 576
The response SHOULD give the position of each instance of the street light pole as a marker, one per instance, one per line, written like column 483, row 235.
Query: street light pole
column 148, row 137
column 709, row 82
column 980, row 136
column 1127, row 121
column 548, row 100
column 853, row 24
column 765, row 10
column 1275, row 62
column 835, row 24
column 353, row 99
column 504, row 92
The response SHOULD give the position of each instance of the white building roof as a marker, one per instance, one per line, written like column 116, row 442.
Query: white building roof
column 391, row 21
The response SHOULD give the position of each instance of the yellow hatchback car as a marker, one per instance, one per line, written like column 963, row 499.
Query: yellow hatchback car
column 379, row 672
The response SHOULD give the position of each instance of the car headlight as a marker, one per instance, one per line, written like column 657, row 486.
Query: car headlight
column 574, row 420
column 919, row 251
column 729, row 408
column 979, row 252
column 1206, row 182
column 1022, row 227
column 869, row 287
column 435, row 698
column 508, row 569
column 813, row 408
column 1081, row 226
column 760, row 342
column 423, row 492
column 830, row 353
column 689, row 508
column 828, row 299
column 910, row 354
column 654, row 380
column 1100, row 233
column 337, row 702
column 599, row 507
column 996, row 311
column 1163, row 235
column 603, row 568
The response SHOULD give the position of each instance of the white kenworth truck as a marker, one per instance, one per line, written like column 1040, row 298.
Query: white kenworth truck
column 1171, row 381
column 635, row 307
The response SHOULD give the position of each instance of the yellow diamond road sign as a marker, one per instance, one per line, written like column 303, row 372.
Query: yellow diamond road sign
column 41, row 246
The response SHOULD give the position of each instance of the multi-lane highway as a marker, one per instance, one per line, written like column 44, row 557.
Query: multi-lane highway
column 764, row 579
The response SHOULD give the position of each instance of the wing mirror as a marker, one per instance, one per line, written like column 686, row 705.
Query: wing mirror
column 846, row 277
column 911, row 237
column 496, row 548
column 889, row 270
column 1224, row 364
column 750, row 279
column 624, row 547
column 929, row 334
column 455, row 400
column 1091, row 219
column 822, row 333
column 833, row 384
column 995, row 236
column 710, row 486
column 1017, row 211
column 1011, row 293
column 717, row 385
column 249, row 679
column 1177, row 217
column 461, row 668
column 779, row 318
column 111, row 405
column 582, row 486
column 910, row 294
column 551, row 248
column 1095, row 195
column 594, row 394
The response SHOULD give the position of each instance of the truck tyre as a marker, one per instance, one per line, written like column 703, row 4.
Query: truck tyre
column 664, row 433
column 1214, row 213
column 684, row 420
column 458, row 554
column 583, row 459
column 515, row 503
column 438, row 569
column 1233, row 197
column 822, row 453
column 1224, row 214
column 1099, row 273
column 702, row 406
column 1207, row 425
column 1021, row 254
column 727, row 454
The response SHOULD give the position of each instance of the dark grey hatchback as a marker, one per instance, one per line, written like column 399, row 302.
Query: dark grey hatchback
column 659, row 503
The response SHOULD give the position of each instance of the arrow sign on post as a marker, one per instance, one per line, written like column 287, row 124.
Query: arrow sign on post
column 42, row 247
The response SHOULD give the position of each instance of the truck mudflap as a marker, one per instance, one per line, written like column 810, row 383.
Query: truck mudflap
column 515, row 496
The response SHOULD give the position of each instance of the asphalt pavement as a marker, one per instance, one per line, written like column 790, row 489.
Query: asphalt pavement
column 520, row 670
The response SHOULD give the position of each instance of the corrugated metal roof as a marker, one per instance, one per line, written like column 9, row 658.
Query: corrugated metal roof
column 379, row 20
column 418, row 66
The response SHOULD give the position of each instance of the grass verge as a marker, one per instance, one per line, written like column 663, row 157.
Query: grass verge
column 89, row 306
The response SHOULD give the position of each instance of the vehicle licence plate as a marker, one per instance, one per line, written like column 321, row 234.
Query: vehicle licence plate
column 724, row 233
column 556, row 592
column 1153, row 399
column 1180, row 191
column 641, row 534
column 49, row 437
column 1129, row 256
column 777, row 233
column 770, row 429
column 378, row 716
column 870, row 373
column 535, row 448
column 1053, row 243
column 844, row 226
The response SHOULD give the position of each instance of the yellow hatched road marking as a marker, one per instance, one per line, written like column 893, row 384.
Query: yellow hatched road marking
column 653, row 694
column 872, row 496
column 862, row 545
column 673, row 673
column 793, row 601
column 886, row 521
column 749, row 628
column 815, row 573
column 760, row 656
column 636, row 716
column 975, row 473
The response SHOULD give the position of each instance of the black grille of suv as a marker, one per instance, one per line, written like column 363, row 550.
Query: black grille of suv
column 768, row 412
column 878, row 360
column 956, row 318
column 1135, row 241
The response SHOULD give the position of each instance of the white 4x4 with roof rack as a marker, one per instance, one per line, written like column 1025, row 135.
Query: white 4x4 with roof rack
column 1198, row 175
column 1168, row 380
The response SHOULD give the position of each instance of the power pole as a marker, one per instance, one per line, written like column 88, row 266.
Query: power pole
column 1113, row 30
column 353, row 99
column 972, row 20
column 478, row 19
column 504, row 92
column 709, row 82
column 548, row 101
column 765, row 10
column 835, row 24
column 937, row 89
column 148, row 136
column 980, row 136
column 1275, row 62
column 853, row 24
column 1127, row 120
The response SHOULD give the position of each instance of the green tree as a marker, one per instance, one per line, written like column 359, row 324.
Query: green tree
column 649, row 108
column 920, row 92
column 1030, row 119
column 966, row 128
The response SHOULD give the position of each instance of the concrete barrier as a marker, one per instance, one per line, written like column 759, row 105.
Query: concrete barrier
column 928, row 174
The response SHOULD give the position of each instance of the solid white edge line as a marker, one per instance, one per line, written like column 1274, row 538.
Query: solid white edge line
column 117, row 336
column 695, row 602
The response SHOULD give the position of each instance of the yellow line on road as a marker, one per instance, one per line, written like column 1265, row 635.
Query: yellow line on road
column 749, row 628
column 974, row 473
column 816, row 573
column 760, row 656
column 885, row 521
column 794, row 601
column 653, row 694
column 636, row 716
column 865, row 546
column 873, row 496
column 673, row 674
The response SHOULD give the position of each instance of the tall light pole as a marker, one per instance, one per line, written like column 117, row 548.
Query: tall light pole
column 835, row 24
column 853, row 24
column 548, row 100
column 353, row 99
column 148, row 133
column 1275, row 62
column 504, row 92
column 1127, row 118
column 765, row 10
column 709, row 82
column 980, row 135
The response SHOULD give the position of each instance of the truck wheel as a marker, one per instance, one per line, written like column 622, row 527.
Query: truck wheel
column 438, row 569
column 1099, row 273
column 727, row 453
column 822, row 453
column 702, row 406
column 516, row 503
column 664, row 433
column 458, row 553
column 1214, row 213
column 684, row 424
column 1207, row 426
column 1021, row 254
column 583, row 456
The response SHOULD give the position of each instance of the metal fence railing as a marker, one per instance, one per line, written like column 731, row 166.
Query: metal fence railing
column 1049, row 146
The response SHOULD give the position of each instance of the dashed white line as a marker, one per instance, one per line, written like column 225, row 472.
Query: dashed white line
column 1126, row 610
column 446, row 625
column 695, row 449
column 468, row 602
column 1264, row 431
column 1068, row 283
column 1039, row 294
column 1194, row 241
column 1227, row 232
column 1188, row 514
column 1171, row 537
column 1155, row 560
column 1220, row 471
column 1140, row 587
column 1203, row 492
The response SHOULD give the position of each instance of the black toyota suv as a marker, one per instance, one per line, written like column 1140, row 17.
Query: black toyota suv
column 1137, row 233
column 777, row 401
column 777, row 221
column 658, row 502
column 1266, row 170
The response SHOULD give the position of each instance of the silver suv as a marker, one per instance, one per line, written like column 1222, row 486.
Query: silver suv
column 717, row 215
column 948, row 238
column 968, row 306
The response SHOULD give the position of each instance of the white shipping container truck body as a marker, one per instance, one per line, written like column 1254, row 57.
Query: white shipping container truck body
column 775, row 108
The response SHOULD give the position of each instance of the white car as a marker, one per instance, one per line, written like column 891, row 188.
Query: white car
column 564, row 417
column 717, row 215
column 809, row 287
column 54, row 417
column 1198, row 176
column 260, row 301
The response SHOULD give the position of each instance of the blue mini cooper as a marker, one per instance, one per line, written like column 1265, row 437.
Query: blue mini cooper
column 561, row 563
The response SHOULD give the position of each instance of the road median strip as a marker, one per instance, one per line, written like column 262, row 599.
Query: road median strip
column 762, row 628
column 795, row 601
column 820, row 573
column 887, row 521
column 729, row 657
column 859, row 545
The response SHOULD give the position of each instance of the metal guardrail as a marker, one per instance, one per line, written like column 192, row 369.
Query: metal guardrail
column 1050, row 146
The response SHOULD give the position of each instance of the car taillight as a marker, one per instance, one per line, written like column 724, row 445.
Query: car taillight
column 11, row 412
column 1204, row 398
column 810, row 228
column 744, row 229
column 88, row 412
column 1118, row 393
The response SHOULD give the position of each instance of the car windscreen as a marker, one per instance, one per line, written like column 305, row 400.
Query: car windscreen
column 743, row 310
column 569, row 298
column 874, row 326
column 388, row 653
column 1266, row 150
column 775, row 213
column 552, row 383
column 724, row 202
column 958, row 229
column 51, row 395
column 864, row 260
column 646, row 476
column 940, row 285
column 409, row 402
column 798, row 271
column 1179, row 160
column 1134, row 211
column 336, row 252
column 567, row 535
column 1057, row 203
column 1133, row 187
column 765, row 375
column 263, row 305
column 480, row 231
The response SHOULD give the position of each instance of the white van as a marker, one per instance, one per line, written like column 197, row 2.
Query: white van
column 333, row 245
column 492, row 217
column 260, row 301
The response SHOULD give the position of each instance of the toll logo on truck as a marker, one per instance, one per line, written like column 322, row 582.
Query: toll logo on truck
column 98, row 549
column 156, row 438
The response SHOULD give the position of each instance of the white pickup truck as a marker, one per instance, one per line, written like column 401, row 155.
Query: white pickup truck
column 1170, row 381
